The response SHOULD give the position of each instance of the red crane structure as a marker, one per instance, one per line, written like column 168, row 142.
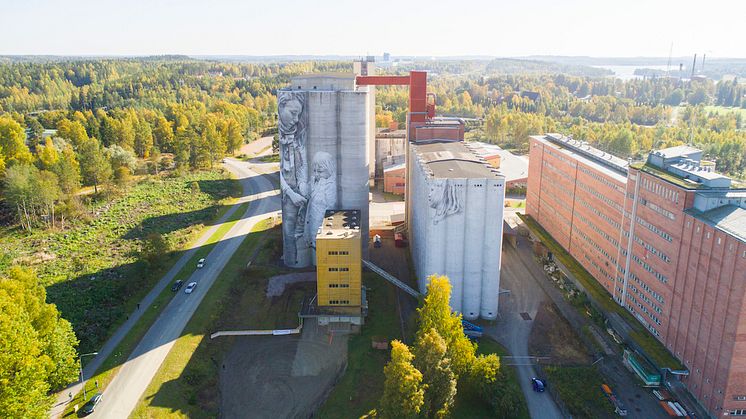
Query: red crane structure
column 421, row 125
column 421, row 109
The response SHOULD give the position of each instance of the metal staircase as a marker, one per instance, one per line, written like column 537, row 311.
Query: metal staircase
column 387, row 276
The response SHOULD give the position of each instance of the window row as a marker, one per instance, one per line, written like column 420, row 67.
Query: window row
column 601, row 179
column 338, row 252
column 599, row 213
column 658, row 209
column 647, row 288
column 595, row 245
column 650, row 269
column 339, row 302
column 660, row 190
column 551, row 167
column 652, row 250
column 600, row 196
column 557, row 155
column 336, row 269
column 602, row 233
column 339, row 285
column 654, row 229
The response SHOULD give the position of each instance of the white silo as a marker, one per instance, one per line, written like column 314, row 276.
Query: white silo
column 456, row 213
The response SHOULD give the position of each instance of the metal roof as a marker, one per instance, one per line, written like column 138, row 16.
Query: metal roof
column 730, row 219
column 452, row 159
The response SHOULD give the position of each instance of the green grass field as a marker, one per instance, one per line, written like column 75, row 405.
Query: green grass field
column 186, row 384
column 92, row 269
column 723, row 109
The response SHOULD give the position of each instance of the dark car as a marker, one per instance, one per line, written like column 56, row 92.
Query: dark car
column 538, row 384
column 177, row 285
column 90, row 406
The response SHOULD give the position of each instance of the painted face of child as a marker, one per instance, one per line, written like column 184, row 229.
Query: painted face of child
column 320, row 171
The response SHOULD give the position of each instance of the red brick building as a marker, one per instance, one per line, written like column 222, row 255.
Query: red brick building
column 667, row 239
column 394, row 179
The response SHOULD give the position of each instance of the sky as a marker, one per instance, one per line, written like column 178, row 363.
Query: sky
column 621, row 28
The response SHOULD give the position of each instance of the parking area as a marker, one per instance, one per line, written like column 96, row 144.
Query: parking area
column 281, row 376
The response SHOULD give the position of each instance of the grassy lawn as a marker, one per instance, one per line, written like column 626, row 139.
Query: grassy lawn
column 92, row 268
column 723, row 109
column 186, row 385
column 653, row 349
column 272, row 158
column 109, row 368
column 579, row 388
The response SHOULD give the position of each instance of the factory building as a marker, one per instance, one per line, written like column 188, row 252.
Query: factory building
column 667, row 239
column 455, row 204
column 327, row 160
column 325, row 146
column 338, row 262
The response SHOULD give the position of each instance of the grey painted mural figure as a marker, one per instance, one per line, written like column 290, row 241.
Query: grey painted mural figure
column 446, row 199
column 323, row 193
column 292, row 124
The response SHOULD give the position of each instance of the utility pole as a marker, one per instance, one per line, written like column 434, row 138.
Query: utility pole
column 85, row 396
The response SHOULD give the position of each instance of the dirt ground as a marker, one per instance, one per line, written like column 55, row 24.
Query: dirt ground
column 281, row 376
column 553, row 337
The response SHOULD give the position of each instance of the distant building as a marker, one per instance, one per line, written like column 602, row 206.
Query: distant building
column 390, row 148
column 667, row 239
column 514, row 168
column 338, row 262
column 394, row 178
column 386, row 57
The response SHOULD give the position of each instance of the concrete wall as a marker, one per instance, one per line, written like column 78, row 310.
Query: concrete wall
column 465, row 246
column 338, row 124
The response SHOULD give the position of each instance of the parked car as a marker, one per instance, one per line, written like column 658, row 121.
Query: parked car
column 201, row 263
column 189, row 288
column 177, row 285
column 90, row 406
column 538, row 384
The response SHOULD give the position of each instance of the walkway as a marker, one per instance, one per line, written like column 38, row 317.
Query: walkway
column 249, row 181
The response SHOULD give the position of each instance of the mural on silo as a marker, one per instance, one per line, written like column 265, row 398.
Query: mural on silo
column 323, row 128
column 292, row 129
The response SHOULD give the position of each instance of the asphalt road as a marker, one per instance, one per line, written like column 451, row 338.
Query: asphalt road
column 512, row 330
column 121, row 396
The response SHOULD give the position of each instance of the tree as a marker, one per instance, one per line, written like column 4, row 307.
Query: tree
column 437, row 376
column 154, row 249
column 403, row 394
column 74, row 131
column 47, row 155
column 436, row 314
column 67, row 169
column 37, row 347
column 13, row 142
column 119, row 157
column 233, row 135
column 19, row 192
column 36, row 130
column 94, row 166
column 143, row 138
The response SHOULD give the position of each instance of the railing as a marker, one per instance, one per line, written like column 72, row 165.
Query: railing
column 387, row 276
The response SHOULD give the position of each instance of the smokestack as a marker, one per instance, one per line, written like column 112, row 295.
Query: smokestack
column 694, row 65
column 703, row 62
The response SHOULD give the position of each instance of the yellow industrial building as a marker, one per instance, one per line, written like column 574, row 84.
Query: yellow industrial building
column 338, row 262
